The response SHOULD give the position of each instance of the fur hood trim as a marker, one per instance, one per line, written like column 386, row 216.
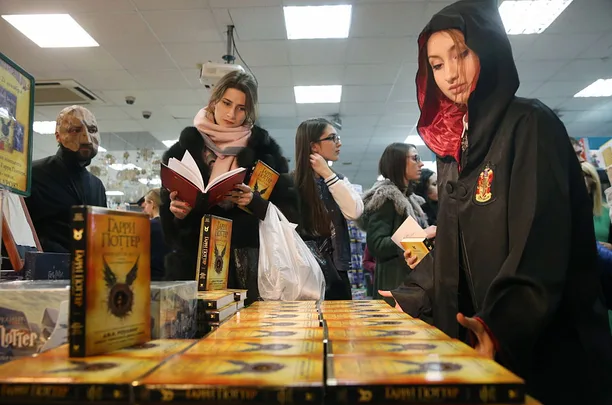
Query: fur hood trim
column 385, row 190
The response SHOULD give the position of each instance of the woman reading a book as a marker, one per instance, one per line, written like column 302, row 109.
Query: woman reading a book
column 224, row 138
column 514, row 259
column 387, row 205
column 327, row 200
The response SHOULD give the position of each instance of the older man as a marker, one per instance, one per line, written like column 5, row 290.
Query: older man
column 62, row 180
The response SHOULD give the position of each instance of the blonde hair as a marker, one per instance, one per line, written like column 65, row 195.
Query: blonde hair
column 155, row 197
column 593, row 186
column 243, row 82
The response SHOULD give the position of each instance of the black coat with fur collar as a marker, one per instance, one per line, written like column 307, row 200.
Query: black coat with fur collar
column 183, row 235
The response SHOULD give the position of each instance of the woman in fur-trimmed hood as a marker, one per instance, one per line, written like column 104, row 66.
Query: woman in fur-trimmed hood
column 386, row 207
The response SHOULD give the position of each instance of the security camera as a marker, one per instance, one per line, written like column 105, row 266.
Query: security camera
column 130, row 100
column 146, row 114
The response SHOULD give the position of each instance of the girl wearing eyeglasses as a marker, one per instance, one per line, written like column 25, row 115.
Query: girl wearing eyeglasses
column 387, row 205
column 327, row 200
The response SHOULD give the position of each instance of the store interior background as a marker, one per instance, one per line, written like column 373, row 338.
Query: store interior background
column 151, row 49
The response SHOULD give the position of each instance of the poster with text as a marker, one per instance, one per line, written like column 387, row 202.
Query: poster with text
column 16, row 118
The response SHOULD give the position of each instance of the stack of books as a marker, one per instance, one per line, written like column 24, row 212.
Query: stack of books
column 216, row 307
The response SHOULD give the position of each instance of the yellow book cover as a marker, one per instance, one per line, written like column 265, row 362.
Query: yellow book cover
column 159, row 348
column 343, row 323
column 359, row 316
column 400, row 346
column 264, row 315
column 279, row 347
column 214, row 253
column 214, row 299
column 283, row 304
column 235, row 323
column 238, row 378
column 267, row 333
column 419, row 247
column 390, row 332
column 282, row 310
column 438, row 379
column 63, row 379
column 353, row 303
column 364, row 310
column 262, row 180
column 110, row 294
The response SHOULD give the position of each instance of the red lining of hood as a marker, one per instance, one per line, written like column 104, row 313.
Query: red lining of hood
column 441, row 122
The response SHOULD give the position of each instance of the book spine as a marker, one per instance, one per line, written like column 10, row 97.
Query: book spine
column 231, row 395
column 203, row 253
column 212, row 316
column 78, row 281
column 472, row 394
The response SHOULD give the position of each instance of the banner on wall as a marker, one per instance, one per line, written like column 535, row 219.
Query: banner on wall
column 16, row 120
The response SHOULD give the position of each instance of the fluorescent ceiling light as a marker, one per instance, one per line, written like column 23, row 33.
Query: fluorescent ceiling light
column 101, row 149
column 121, row 166
column 600, row 88
column 530, row 16
column 44, row 127
column 170, row 142
column 317, row 94
column 318, row 22
column 414, row 140
column 51, row 30
column 112, row 193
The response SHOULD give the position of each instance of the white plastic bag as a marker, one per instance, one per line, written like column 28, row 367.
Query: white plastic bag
column 287, row 269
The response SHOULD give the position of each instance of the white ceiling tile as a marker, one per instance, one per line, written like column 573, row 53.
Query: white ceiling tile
column 166, row 124
column 277, row 110
column 193, row 77
column 560, row 88
column 284, row 123
column 318, row 52
column 263, row 53
column 64, row 6
column 182, row 123
column 183, row 111
column 171, row 5
column 578, row 18
column 34, row 61
column 189, row 55
column 583, row 104
column 362, row 94
column 183, row 25
column 104, row 113
column 387, row 19
column 259, row 23
column 558, row 47
column 377, row 50
column 520, row 44
column 433, row 7
column 402, row 108
column 362, row 108
column 275, row 95
column 160, row 79
column 529, row 88
column 119, row 125
column 242, row 3
column 105, row 79
column 173, row 97
column 317, row 110
column 141, row 57
column 86, row 58
column 351, row 123
column 399, row 120
column 125, row 28
column 602, row 48
column 403, row 92
column 590, row 69
column 596, row 115
column 317, row 75
column 371, row 74
column 538, row 70
column 204, row 94
column 273, row 76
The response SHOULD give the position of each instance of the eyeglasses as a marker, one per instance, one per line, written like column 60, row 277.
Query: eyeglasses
column 334, row 138
column 416, row 158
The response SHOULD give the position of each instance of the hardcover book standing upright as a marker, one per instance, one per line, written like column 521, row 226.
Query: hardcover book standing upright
column 214, row 253
column 110, row 295
column 262, row 180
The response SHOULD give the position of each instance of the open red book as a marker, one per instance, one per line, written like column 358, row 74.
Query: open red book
column 184, row 177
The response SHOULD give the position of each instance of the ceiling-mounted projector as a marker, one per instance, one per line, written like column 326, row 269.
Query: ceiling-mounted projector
column 211, row 72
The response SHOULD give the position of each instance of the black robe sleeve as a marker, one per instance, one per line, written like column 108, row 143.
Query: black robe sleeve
column 529, row 286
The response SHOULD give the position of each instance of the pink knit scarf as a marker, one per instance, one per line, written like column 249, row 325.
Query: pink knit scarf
column 224, row 142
